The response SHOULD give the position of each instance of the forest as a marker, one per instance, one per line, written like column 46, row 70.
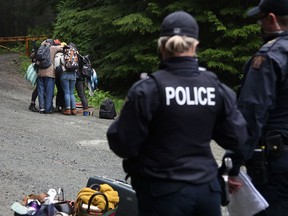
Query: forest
column 120, row 36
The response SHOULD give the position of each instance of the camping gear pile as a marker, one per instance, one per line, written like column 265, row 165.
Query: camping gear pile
column 97, row 200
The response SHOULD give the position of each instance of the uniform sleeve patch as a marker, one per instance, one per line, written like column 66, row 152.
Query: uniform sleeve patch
column 257, row 62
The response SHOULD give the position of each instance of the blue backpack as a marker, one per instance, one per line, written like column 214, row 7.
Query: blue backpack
column 43, row 56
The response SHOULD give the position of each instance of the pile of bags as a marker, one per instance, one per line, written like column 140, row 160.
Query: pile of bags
column 102, row 201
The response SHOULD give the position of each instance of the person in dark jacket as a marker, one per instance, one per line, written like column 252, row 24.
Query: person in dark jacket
column 166, row 126
column 263, row 101
column 80, row 82
column 34, row 95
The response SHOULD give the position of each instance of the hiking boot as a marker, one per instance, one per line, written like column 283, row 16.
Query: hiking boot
column 67, row 112
column 56, row 109
column 73, row 112
column 33, row 108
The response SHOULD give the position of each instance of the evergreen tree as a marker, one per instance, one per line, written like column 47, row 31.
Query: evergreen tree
column 227, row 38
column 121, row 36
column 22, row 17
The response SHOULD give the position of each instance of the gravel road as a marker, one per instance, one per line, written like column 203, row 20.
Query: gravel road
column 39, row 151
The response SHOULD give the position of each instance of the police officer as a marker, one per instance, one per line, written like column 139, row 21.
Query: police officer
column 166, row 126
column 263, row 100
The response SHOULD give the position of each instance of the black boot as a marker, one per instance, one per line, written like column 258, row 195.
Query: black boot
column 33, row 108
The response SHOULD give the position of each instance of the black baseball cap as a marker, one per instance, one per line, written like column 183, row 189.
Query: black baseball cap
column 179, row 23
column 278, row 7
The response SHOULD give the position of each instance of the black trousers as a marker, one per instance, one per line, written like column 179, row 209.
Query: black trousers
column 60, row 102
column 34, row 94
column 158, row 197
column 275, row 191
column 80, row 89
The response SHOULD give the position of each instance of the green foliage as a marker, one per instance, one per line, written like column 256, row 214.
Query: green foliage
column 97, row 98
column 121, row 36
column 115, row 36
column 136, row 22
column 227, row 38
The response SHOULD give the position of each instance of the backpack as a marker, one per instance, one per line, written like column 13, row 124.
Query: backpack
column 43, row 56
column 107, row 109
column 71, row 61
column 86, row 66
column 58, row 64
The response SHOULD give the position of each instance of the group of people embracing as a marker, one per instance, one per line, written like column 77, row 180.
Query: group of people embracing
column 66, row 77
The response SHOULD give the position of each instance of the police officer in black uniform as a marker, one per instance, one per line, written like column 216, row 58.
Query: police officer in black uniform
column 166, row 126
column 263, row 101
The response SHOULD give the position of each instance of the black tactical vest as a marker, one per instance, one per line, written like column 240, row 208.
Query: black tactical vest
column 178, row 146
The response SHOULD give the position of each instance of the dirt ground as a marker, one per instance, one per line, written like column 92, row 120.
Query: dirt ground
column 39, row 151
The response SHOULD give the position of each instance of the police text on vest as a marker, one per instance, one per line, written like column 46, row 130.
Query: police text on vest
column 198, row 96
